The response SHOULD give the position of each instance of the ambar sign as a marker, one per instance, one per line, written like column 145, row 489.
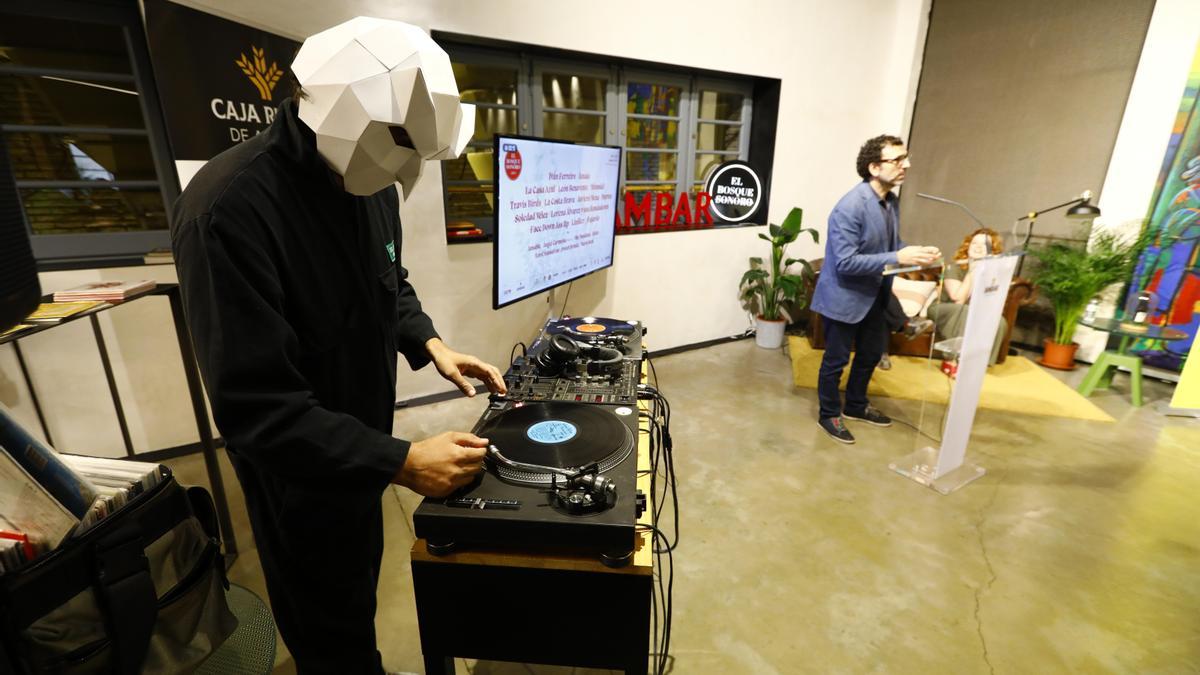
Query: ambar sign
column 660, row 210
column 733, row 193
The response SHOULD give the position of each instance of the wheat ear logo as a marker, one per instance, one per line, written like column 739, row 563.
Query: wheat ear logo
column 263, row 78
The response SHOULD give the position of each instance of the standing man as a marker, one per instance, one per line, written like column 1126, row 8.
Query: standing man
column 852, row 293
column 288, row 251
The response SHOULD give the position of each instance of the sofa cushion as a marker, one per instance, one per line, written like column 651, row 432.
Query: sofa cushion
column 914, row 296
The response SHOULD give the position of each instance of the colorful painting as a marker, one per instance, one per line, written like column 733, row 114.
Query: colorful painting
column 1169, row 265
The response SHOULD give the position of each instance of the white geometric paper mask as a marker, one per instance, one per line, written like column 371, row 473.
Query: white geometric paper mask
column 381, row 100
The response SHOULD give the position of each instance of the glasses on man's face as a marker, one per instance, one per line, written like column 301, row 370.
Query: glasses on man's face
column 895, row 160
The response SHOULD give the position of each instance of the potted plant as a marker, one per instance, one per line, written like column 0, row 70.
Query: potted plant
column 1070, row 275
column 765, row 290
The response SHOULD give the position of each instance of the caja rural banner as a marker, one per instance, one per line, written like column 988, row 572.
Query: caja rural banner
column 220, row 81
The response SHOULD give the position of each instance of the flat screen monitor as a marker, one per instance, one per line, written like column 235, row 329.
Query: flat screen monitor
column 556, row 206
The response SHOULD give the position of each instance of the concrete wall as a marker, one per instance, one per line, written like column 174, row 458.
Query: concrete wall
column 848, row 71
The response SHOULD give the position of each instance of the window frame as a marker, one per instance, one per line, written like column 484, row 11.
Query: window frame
column 72, row 251
column 524, row 108
column 541, row 66
column 685, row 138
column 746, row 91
column 535, row 62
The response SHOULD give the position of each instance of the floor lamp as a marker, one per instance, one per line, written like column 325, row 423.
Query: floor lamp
column 1081, row 209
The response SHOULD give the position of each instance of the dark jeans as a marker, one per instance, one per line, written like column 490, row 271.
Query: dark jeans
column 320, row 552
column 893, row 314
column 868, row 338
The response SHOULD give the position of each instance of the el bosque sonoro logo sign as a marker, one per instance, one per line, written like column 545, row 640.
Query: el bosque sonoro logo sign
column 512, row 161
column 736, row 191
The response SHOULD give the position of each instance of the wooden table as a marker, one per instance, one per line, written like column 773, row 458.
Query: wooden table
column 553, row 607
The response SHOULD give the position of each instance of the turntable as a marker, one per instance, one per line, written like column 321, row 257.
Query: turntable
column 558, row 474
column 599, row 330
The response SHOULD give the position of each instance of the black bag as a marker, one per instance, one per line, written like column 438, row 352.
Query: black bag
column 142, row 591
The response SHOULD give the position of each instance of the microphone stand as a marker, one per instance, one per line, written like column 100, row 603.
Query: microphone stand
column 954, row 203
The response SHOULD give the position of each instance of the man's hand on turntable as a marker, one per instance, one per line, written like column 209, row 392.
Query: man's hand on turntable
column 458, row 367
column 441, row 464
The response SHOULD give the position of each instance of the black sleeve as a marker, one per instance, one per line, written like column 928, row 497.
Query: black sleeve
column 416, row 328
column 247, row 352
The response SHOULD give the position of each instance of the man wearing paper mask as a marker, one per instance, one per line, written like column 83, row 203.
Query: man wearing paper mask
column 288, row 250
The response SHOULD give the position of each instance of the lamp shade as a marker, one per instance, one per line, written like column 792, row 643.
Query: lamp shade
column 1083, row 210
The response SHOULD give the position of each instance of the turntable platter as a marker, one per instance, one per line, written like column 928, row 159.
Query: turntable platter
column 559, row 434
column 595, row 329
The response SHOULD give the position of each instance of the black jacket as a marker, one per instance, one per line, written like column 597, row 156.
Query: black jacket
column 297, row 307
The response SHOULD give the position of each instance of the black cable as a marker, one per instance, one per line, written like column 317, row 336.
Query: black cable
column 564, row 307
column 661, row 601
column 662, row 657
column 658, row 591
column 662, row 454
column 654, row 614
column 512, row 352
column 662, row 467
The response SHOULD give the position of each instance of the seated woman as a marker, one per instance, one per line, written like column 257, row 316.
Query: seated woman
column 949, row 313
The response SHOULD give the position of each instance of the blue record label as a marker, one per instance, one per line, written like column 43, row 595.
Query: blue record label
column 552, row 431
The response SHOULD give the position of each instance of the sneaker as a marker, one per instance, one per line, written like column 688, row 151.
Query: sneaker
column 916, row 327
column 870, row 416
column 836, row 428
column 885, row 362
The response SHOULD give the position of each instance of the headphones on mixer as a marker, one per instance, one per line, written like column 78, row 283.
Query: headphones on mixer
column 561, row 351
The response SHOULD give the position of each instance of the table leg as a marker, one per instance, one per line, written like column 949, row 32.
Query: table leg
column 37, row 407
column 1106, row 378
column 112, row 386
column 1126, row 340
column 1098, row 376
column 1135, row 380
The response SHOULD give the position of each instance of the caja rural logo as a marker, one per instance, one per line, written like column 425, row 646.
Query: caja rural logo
column 512, row 160
column 263, row 78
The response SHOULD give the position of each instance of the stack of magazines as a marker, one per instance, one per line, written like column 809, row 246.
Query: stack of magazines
column 53, row 312
column 108, row 291
column 46, row 497
column 116, row 482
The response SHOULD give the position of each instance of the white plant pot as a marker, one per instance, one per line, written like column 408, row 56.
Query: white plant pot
column 768, row 334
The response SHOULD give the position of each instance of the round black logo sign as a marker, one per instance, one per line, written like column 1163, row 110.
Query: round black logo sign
column 736, row 191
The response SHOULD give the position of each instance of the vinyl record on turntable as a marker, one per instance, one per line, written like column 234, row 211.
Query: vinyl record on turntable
column 558, row 434
column 592, row 328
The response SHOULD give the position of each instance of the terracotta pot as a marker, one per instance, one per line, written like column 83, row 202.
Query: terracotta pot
column 1061, row 357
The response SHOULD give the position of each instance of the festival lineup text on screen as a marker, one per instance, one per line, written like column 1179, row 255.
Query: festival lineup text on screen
column 557, row 204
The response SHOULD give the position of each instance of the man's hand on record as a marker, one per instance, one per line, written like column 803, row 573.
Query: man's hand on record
column 458, row 367
column 441, row 464
column 917, row 255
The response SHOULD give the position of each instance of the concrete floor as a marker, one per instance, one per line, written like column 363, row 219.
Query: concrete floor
column 1079, row 550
